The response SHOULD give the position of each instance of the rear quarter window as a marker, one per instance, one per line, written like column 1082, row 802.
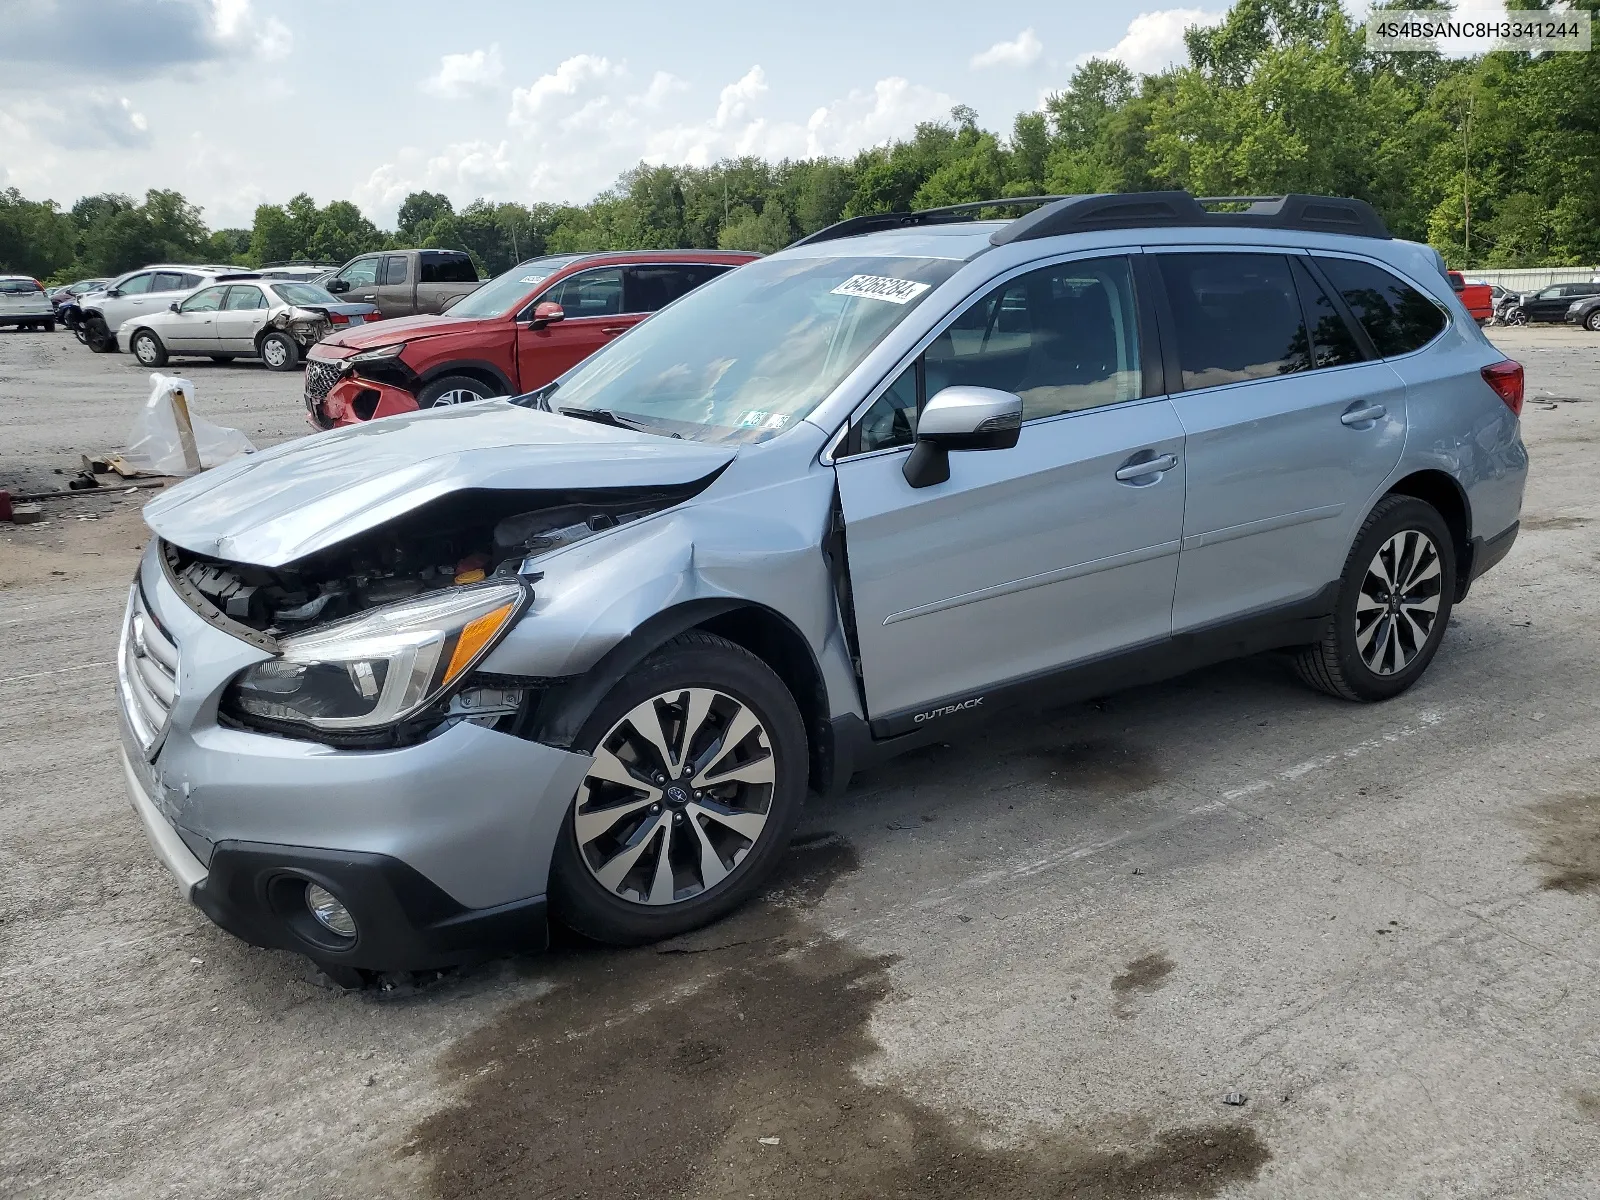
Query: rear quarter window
column 1397, row 317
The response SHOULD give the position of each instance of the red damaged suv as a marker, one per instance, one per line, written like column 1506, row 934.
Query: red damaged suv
column 515, row 333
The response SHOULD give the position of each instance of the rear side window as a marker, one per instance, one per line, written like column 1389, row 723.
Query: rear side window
column 1332, row 342
column 243, row 298
column 1237, row 316
column 1397, row 317
column 447, row 267
column 168, row 281
column 649, row 287
column 394, row 269
column 136, row 286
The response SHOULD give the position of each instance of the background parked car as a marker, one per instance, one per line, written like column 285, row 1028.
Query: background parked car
column 71, row 291
column 23, row 303
column 516, row 333
column 1547, row 304
column 404, row 282
column 1476, row 298
column 275, row 320
column 1585, row 312
column 147, row 290
column 303, row 272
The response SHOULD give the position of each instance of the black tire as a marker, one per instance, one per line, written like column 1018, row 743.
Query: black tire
column 1517, row 316
column 147, row 348
column 97, row 336
column 49, row 326
column 280, row 351
column 691, row 660
column 1335, row 664
column 439, row 393
column 221, row 358
column 1592, row 324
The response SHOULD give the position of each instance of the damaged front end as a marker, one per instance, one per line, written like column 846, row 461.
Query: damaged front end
column 376, row 641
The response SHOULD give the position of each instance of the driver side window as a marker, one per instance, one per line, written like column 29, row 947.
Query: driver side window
column 1063, row 337
column 361, row 273
column 208, row 300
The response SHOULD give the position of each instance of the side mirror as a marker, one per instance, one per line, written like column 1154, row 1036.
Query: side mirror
column 113, row 291
column 173, row 307
column 337, row 285
column 546, row 312
column 961, row 418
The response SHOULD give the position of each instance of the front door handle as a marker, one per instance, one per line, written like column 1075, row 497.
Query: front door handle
column 1361, row 416
column 1150, row 466
column 613, row 330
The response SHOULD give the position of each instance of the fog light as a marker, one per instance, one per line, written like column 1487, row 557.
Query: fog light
column 331, row 914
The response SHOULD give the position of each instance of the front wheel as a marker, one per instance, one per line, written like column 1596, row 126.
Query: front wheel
column 1592, row 324
column 147, row 348
column 452, row 390
column 699, row 771
column 1516, row 317
column 1394, row 602
column 97, row 336
column 279, row 351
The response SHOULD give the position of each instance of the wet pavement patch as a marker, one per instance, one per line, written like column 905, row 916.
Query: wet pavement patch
column 1099, row 765
column 1554, row 522
column 722, row 1064
column 1145, row 974
column 1569, row 851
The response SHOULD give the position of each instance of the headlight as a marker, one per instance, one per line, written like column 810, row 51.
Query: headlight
column 382, row 666
column 377, row 354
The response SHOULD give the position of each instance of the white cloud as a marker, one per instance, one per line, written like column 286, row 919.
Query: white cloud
column 96, row 120
column 1154, row 40
column 460, row 75
column 571, row 132
column 237, row 26
column 578, row 74
column 1023, row 51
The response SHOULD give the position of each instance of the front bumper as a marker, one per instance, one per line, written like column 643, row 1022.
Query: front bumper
column 440, row 849
column 354, row 400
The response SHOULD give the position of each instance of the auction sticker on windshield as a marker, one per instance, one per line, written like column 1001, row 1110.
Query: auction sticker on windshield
column 881, row 287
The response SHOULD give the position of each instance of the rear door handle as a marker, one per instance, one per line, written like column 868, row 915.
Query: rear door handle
column 1150, row 466
column 1360, row 416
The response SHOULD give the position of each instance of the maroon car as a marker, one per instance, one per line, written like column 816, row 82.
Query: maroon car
column 515, row 333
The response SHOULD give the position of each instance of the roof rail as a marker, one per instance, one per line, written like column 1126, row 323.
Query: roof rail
column 1145, row 210
column 1057, row 215
column 874, row 222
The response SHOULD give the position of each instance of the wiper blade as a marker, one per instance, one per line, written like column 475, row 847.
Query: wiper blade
column 604, row 416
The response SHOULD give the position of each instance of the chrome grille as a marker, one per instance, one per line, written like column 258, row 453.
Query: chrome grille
column 320, row 378
column 147, row 672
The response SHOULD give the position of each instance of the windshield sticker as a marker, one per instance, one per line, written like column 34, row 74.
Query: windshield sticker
column 533, row 278
column 753, row 418
column 881, row 287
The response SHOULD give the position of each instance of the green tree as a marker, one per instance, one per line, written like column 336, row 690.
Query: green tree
column 420, row 210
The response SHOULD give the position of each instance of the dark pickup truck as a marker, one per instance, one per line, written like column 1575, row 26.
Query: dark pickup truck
column 406, row 282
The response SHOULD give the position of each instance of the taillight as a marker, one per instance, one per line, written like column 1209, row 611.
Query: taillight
column 338, row 318
column 1505, row 377
column 372, row 316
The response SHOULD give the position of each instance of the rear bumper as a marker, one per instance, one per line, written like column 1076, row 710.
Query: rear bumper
column 1486, row 554
column 44, row 313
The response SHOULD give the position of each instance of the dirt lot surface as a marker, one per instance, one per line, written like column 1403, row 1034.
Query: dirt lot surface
column 1220, row 937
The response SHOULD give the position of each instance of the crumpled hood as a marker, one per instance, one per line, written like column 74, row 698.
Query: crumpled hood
column 282, row 504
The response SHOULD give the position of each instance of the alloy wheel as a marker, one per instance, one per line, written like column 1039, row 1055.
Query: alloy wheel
column 677, row 797
column 455, row 396
column 1398, row 604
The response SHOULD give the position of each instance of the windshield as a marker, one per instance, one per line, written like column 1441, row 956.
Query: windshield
column 302, row 293
column 750, row 354
column 506, row 292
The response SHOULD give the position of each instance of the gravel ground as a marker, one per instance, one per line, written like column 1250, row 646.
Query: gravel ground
column 1040, row 962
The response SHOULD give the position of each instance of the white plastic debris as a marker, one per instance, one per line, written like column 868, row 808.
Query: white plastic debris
column 160, row 441
column 768, row 1141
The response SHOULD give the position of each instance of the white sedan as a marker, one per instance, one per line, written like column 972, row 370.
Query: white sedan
column 275, row 320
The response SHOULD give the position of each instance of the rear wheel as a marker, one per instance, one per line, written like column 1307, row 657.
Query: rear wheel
column 454, row 389
column 147, row 348
column 698, row 776
column 49, row 326
column 1394, row 602
column 279, row 351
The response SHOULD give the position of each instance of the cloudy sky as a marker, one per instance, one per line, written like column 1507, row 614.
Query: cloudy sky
column 237, row 102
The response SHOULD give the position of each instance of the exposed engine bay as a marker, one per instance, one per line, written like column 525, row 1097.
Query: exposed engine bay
column 459, row 540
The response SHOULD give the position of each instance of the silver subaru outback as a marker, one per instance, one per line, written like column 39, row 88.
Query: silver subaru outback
column 391, row 693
